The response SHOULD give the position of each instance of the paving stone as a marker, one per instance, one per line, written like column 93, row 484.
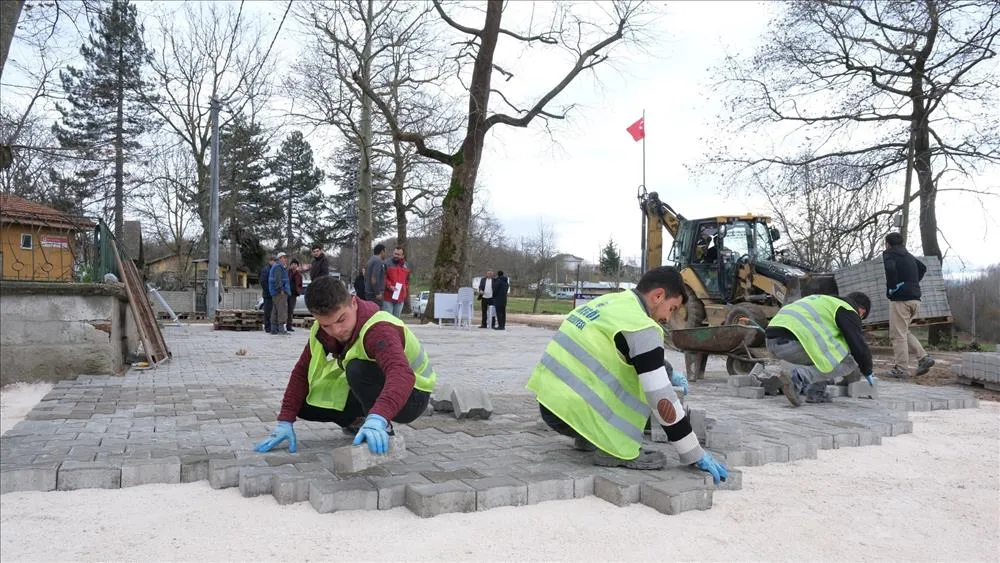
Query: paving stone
column 493, row 492
column 34, row 477
column 837, row 390
column 862, row 390
column 698, row 423
column 724, row 436
column 257, row 481
column 444, row 476
column 440, row 498
column 657, row 433
column 902, row 427
column 225, row 473
column 471, row 402
column 619, row 489
column 441, row 398
column 801, row 450
column 676, row 496
column 75, row 475
column 350, row 494
column 352, row 459
column 148, row 471
column 846, row 439
column 751, row 392
column 547, row 486
column 741, row 381
column 392, row 490
column 194, row 467
column 292, row 488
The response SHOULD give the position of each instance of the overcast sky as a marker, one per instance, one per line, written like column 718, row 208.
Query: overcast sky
column 581, row 179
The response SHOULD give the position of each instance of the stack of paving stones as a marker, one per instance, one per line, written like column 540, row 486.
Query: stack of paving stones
column 869, row 278
column 982, row 368
column 197, row 417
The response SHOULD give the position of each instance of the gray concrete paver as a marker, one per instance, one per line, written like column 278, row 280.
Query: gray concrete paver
column 198, row 416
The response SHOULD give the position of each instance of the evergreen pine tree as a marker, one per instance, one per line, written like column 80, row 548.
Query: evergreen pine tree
column 297, row 180
column 105, row 116
column 344, row 202
column 611, row 260
column 249, row 210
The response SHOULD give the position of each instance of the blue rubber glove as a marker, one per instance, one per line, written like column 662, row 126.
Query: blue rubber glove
column 679, row 380
column 283, row 431
column 871, row 379
column 714, row 468
column 895, row 289
column 374, row 432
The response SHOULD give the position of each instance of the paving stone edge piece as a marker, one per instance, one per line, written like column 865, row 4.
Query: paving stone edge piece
column 427, row 501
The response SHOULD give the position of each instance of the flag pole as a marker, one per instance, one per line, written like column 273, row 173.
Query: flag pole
column 643, row 148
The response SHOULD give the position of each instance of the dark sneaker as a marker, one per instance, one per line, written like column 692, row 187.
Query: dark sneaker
column 924, row 365
column 647, row 460
column 582, row 444
column 897, row 373
column 788, row 389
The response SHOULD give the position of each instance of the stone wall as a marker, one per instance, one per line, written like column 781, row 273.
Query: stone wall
column 54, row 331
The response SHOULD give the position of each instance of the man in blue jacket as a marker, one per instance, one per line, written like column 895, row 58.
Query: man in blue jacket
column 265, row 287
column 280, row 290
column 903, row 273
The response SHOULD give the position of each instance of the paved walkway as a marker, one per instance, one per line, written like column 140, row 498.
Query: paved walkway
column 198, row 416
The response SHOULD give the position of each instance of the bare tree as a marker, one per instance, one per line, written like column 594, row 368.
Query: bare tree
column 218, row 52
column 882, row 85
column 478, row 48
column 540, row 253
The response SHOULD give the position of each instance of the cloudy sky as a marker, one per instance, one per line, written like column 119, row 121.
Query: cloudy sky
column 580, row 176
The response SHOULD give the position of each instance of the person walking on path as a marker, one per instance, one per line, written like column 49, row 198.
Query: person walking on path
column 295, row 284
column 501, row 287
column 379, row 372
column 265, row 287
column 819, row 339
column 320, row 264
column 485, row 296
column 903, row 273
column 397, row 283
column 280, row 291
column 375, row 275
column 604, row 373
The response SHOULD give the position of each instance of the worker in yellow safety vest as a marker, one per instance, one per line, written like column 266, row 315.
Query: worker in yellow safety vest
column 361, row 369
column 604, row 373
column 820, row 340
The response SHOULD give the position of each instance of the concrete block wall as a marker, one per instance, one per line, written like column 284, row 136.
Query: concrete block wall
column 869, row 278
column 981, row 366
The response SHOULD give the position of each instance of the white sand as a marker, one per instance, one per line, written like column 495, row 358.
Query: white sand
column 17, row 400
column 932, row 495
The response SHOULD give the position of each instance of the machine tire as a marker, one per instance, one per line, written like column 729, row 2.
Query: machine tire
column 735, row 366
column 740, row 314
column 694, row 316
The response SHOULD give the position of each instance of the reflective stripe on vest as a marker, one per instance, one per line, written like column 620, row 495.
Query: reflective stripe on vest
column 424, row 374
column 583, row 379
column 813, row 321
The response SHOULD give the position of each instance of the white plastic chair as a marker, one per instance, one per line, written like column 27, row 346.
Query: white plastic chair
column 463, row 310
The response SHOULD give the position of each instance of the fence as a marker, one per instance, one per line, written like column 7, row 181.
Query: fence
column 191, row 302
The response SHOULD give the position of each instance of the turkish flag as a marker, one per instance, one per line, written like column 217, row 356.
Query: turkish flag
column 637, row 129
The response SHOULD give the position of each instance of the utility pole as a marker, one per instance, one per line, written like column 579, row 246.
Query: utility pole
column 212, row 295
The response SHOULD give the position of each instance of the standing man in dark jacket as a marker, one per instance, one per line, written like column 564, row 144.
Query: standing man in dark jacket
column 265, row 280
column 280, row 291
column 320, row 265
column 501, row 285
column 295, row 284
column 375, row 275
column 903, row 273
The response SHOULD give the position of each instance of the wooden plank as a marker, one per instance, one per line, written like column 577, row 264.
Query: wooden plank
column 145, row 319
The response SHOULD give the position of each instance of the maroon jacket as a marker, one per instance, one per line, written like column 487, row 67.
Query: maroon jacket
column 384, row 343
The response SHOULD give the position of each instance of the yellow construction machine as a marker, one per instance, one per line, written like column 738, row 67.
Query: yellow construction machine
column 733, row 279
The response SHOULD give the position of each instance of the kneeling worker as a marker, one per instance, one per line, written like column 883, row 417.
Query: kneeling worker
column 605, row 368
column 379, row 372
column 820, row 339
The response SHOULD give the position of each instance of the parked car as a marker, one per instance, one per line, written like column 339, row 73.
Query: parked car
column 564, row 295
column 420, row 304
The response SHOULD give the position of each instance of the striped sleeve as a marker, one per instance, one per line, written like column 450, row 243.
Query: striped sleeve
column 645, row 352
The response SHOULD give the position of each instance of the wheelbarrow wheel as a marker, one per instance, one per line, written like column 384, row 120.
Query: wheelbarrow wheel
column 748, row 314
column 736, row 366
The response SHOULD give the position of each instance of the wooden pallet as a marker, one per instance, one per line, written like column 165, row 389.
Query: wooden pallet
column 145, row 319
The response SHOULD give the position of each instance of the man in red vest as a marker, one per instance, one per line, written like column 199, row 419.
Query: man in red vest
column 397, row 283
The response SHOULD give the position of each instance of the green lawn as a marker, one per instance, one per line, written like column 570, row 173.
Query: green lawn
column 545, row 306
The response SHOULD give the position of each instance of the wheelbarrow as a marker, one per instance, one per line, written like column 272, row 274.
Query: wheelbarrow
column 733, row 341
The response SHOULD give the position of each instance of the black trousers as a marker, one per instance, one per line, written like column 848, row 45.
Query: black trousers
column 366, row 381
column 556, row 423
column 268, row 305
column 485, row 306
column 291, row 308
column 501, row 307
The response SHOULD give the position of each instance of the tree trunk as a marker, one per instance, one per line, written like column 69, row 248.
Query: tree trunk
column 365, row 235
column 450, row 262
column 9, row 15
column 288, row 226
column 119, row 137
column 398, row 184
column 234, row 248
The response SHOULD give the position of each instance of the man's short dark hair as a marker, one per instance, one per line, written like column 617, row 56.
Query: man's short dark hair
column 894, row 239
column 295, row 261
column 857, row 299
column 325, row 295
column 317, row 246
column 379, row 248
column 499, row 272
column 666, row 278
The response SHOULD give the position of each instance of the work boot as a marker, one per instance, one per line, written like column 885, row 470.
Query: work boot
column 582, row 444
column 897, row 373
column 924, row 364
column 647, row 460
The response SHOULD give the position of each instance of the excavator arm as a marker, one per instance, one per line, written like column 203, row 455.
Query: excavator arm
column 656, row 216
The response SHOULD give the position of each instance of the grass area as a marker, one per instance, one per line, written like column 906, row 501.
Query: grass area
column 545, row 306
